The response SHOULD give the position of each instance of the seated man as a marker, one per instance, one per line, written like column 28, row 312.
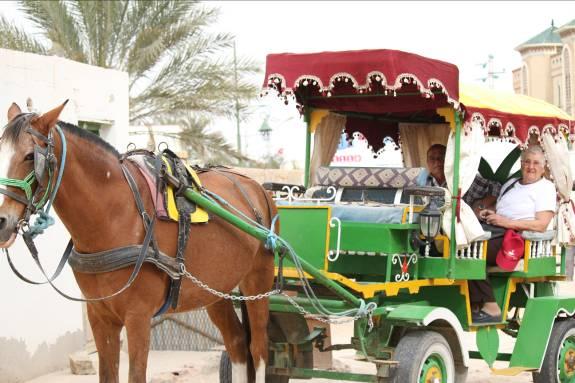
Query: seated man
column 482, row 193
column 528, row 203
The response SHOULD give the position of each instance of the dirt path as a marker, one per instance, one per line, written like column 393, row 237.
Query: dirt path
column 203, row 367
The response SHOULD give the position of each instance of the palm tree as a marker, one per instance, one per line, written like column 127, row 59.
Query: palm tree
column 203, row 146
column 174, row 63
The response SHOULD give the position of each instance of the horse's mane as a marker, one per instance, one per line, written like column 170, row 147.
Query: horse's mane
column 15, row 128
column 88, row 136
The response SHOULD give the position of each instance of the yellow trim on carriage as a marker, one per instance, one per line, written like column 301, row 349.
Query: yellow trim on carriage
column 369, row 290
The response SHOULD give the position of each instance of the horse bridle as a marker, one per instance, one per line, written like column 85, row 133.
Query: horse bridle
column 44, row 161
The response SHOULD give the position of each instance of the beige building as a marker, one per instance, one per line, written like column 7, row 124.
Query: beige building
column 548, row 67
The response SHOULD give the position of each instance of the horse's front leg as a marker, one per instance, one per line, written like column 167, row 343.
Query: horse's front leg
column 138, row 328
column 107, row 337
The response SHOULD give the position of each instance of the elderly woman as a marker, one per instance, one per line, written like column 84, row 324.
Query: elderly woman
column 528, row 203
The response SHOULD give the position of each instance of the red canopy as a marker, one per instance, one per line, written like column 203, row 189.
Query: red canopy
column 513, row 116
column 330, row 79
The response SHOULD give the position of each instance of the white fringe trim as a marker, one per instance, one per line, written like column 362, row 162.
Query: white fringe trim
column 509, row 132
column 277, row 81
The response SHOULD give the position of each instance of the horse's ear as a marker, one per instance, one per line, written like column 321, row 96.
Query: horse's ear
column 13, row 111
column 48, row 120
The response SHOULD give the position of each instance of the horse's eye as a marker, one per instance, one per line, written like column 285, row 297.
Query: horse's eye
column 29, row 157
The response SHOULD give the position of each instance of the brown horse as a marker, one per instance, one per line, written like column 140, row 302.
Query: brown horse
column 97, row 207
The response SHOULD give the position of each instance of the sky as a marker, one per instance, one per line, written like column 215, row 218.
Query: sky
column 463, row 33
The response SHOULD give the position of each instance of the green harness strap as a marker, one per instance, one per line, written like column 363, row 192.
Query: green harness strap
column 25, row 184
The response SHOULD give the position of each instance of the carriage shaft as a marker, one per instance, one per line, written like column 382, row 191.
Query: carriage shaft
column 262, row 235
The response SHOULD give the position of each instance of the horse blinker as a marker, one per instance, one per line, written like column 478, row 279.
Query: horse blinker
column 40, row 160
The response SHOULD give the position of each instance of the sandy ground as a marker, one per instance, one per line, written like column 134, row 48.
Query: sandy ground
column 203, row 367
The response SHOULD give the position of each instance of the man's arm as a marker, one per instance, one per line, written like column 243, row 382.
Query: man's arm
column 539, row 224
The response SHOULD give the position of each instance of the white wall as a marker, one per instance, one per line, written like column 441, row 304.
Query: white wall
column 37, row 313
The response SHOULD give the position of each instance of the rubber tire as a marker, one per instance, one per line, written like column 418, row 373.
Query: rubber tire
column 460, row 373
column 413, row 350
column 548, row 373
column 225, row 368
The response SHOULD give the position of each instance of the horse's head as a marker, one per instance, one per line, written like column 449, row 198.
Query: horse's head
column 22, row 166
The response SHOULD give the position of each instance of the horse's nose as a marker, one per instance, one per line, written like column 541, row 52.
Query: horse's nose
column 3, row 222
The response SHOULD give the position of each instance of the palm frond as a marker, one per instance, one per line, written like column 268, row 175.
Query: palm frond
column 174, row 61
column 12, row 37
column 59, row 25
column 203, row 146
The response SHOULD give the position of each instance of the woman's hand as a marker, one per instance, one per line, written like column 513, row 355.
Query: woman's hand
column 497, row 220
column 484, row 213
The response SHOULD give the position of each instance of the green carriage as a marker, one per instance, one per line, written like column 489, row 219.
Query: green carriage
column 363, row 234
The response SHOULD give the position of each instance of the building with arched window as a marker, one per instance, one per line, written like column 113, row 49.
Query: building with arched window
column 548, row 66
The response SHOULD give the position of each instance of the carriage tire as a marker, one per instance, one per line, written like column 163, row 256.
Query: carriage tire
column 225, row 368
column 420, row 353
column 460, row 373
column 561, row 342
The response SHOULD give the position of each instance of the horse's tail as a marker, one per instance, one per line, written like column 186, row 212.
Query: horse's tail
column 246, row 325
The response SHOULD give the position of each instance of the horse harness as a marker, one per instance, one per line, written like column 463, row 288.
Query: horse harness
column 115, row 259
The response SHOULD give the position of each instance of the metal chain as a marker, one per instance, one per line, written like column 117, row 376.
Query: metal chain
column 220, row 294
column 304, row 312
column 325, row 319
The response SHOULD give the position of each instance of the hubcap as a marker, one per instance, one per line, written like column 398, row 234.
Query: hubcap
column 433, row 370
column 566, row 362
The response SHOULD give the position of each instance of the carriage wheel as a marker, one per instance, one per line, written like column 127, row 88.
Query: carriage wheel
column 424, row 357
column 225, row 368
column 559, row 362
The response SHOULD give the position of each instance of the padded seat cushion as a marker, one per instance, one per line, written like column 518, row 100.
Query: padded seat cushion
column 367, row 177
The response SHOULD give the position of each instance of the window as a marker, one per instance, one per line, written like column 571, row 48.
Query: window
column 93, row 127
column 567, row 78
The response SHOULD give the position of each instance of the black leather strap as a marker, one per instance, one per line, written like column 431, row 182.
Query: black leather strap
column 59, row 268
column 148, row 223
column 15, row 196
column 116, row 259
column 135, row 272
column 184, row 208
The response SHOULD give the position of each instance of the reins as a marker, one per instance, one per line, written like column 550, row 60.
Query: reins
column 42, row 208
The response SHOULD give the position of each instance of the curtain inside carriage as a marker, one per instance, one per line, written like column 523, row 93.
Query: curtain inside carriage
column 416, row 138
column 325, row 140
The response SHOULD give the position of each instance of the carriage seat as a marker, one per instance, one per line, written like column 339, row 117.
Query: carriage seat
column 365, row 185
column 363, row 194
column 366, row 177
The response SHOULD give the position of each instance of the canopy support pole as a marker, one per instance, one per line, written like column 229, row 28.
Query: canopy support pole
column 307, row 119
column 454, row 201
